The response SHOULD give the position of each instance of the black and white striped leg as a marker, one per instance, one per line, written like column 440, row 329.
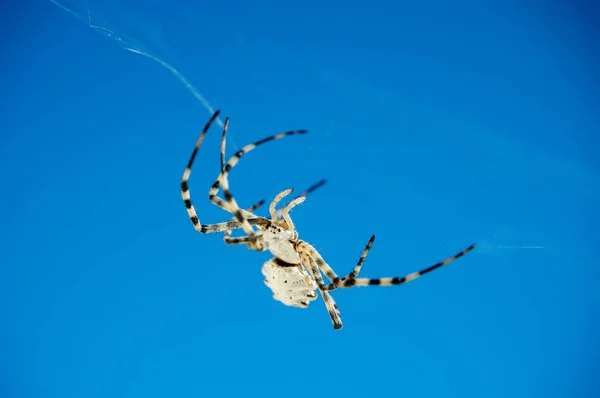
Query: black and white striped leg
column 185, row 191
column 318, row 259
column 332, row 308
column 242, row 239
column 351, row 282
column 335, row 280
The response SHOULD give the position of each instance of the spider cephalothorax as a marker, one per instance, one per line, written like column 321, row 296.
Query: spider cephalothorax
column 295, row 273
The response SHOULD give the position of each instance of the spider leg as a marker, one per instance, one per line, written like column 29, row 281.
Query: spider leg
column 210, row 228
column 332, row 308
column 336, row 281
column 234, row 224
column 319, row 261
column 247, row 212
column 223, row 142
column 312, row 188
column 230, row 203
column 351, row 282
column 185, row 192
column 224, row 204
column 243, row 239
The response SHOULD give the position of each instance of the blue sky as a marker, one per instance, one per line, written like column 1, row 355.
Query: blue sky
column 437, row 125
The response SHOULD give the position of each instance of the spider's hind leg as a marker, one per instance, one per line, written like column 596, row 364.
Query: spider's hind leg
column 332, row 308
column 336, row 281
column 351, row 282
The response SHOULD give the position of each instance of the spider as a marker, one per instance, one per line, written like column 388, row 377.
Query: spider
column 295, row 273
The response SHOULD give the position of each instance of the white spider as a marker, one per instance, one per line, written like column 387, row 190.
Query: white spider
column 295, row 273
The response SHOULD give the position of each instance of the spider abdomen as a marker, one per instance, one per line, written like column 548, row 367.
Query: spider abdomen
column 291, row 283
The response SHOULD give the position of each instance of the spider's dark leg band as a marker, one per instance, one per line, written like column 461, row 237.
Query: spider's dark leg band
column 400, row 280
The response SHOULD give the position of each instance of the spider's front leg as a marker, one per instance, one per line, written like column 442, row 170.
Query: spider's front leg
column 243, row 239
column 327, row 270
column 186, row 196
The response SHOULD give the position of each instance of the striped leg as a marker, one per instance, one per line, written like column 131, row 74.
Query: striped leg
column 185, row 192
column 233, row 224
column 224, row 204
column 332, row 308
column 336, row 281
column 319, row 261
column 230, row 203
column 351, row 282
column 243, row 239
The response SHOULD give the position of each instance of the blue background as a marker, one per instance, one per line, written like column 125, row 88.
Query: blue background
column 437, row 125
